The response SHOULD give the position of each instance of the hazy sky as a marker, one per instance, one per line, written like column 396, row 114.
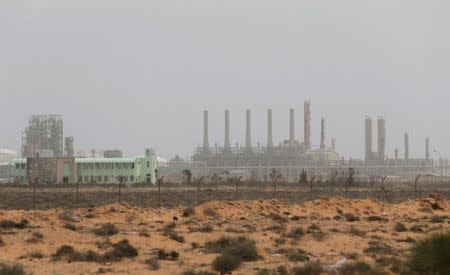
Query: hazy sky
column 130, row 74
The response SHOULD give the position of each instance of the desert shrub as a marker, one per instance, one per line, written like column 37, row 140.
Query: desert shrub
column 314, row 268
column 376, row 219
column 69, row 253
column 163, row 255
column 122, row 249
column 107, row 229
column 240, row 247
column 296, row 233
column 193, row 272
column 431, row 255
column 350, row 217
column 275, row 228
column 425, row 210
column 296, row 255
column 207, row 228
column 35, row 237
column 360, row 268
column 90, row 216
column 174, row 236
column 355, row 268
column 211, row 212
column 277, row 217
column 36, row 255
column 313, row 228
column 189, row 211
column 295, row 218
column 171, row 225
column 2, row 243
column 226, row 263
column 70, row 226
column 153, row 264
column 417, row 228
column 400, row 227
column 356, row 231
column 377, row 247
column 16, row 269
column 319, row 236
column 12, row 224
column 438, row 219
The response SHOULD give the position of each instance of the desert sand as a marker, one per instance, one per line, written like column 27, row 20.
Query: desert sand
column 333, row 230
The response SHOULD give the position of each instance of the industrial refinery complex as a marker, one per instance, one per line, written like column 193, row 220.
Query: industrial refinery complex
column 47, row 156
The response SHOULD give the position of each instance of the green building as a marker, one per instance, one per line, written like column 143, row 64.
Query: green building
column 140, row 169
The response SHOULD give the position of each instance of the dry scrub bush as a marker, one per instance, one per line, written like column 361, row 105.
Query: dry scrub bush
column 430, row 255
column 6, row 269
column 107, row 229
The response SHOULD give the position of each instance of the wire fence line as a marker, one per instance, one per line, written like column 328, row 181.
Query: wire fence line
column 164, row 194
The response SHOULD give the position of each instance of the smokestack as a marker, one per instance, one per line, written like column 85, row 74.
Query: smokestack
column 381, row 139
column 269, row 129
column 333, row 144
column 205, row 131
column 322, row 134
column 227, row 131
column 291, row 127
column 396, row 154
column 307, row 125
column 248, row 138
column 368, row 138
column 406, row 146
column 427, row 148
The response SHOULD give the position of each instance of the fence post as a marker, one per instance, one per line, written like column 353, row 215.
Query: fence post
column 120, row 185
column 275, row 186
column 76, row 197
column 237, row 187
column 159, row 181
column 415, row 185
column 198, row 190
column 311, row 183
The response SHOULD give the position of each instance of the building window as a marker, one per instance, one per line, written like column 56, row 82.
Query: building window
column 132, row 166
column 105, row 178
column 92, row 179
column 17, row 166
column 99, row 178
column 131, row 178
column 86, row 179
column 22, row 166
column 148, row 164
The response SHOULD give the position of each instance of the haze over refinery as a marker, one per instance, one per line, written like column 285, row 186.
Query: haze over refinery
column 131, row 74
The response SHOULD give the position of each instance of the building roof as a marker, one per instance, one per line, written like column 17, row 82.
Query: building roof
column 6, row 151
column 105, row 160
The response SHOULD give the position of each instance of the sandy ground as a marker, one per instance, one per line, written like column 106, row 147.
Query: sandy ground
column 334, row 236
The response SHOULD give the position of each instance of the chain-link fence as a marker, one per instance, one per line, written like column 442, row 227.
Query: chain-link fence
column 170, row 195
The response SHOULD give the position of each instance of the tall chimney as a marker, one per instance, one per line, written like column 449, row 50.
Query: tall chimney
column 248, row 137
column 291, row 127
column 269, row 129
column 381, row 139
column 368, row 138
column 205, row 131
column 307, row 125
column 427, row 148
column 322, row 134
column 226, row 144
column 396, row 154
column 406, row 146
